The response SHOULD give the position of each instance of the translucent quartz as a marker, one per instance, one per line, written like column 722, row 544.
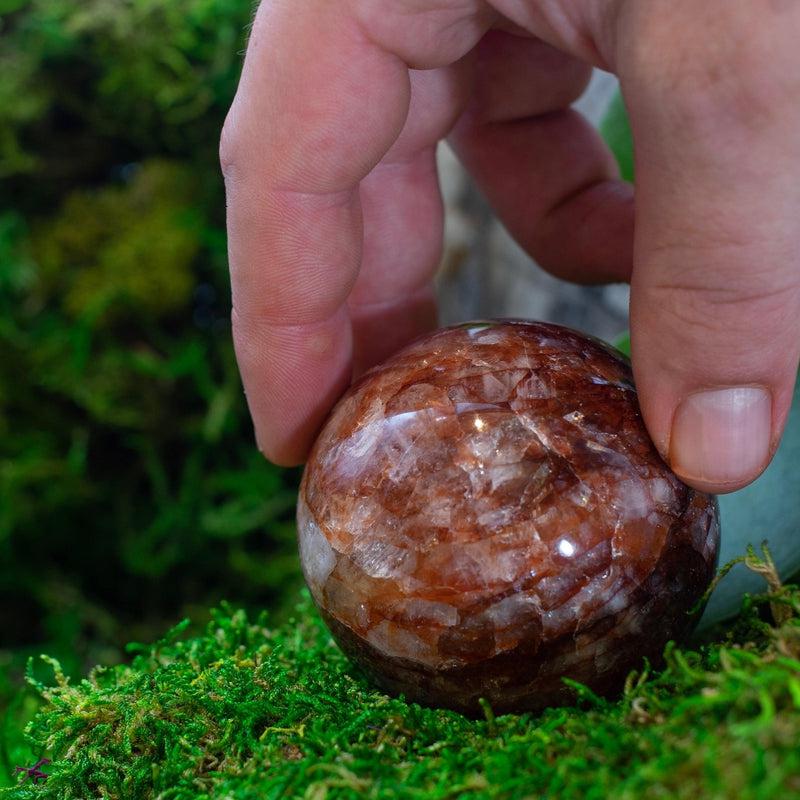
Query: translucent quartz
column 484, row 514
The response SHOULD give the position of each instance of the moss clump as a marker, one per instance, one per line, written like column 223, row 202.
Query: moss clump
column 127, row 247
column 87, row 85
column 242, row 711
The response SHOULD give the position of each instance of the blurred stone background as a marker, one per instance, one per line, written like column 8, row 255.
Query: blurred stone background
column 485, row 273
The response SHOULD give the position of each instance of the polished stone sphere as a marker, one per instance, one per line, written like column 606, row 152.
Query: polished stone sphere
column 484, row 514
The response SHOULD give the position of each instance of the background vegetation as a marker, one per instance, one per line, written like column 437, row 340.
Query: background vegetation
column 130, row 490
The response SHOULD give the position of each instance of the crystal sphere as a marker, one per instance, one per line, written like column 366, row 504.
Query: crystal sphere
column 484, row 514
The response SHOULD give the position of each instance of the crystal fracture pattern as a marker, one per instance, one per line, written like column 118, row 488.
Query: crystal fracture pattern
column 485, row 514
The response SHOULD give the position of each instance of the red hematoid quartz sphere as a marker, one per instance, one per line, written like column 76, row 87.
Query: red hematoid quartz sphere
column 485, row 514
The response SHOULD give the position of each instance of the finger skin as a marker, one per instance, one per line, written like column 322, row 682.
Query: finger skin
column 392, row 301
column 716, row 283
column 548, row 175
column 553, row 184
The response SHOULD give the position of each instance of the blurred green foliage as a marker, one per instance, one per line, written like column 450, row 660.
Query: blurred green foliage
column 130, row 487
column 123, row 248
column 616, row 130
column 102, row 82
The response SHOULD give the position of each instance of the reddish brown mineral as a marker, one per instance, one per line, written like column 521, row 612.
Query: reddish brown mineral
column 485, row 514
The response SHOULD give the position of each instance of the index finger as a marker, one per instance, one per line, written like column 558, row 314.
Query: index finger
column 318, row 105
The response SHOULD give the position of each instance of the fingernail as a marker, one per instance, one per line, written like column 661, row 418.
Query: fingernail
column 721, row 437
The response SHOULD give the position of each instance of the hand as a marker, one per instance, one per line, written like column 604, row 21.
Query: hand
column 335, row 218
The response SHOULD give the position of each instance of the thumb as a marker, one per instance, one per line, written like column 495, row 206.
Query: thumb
column 715, row 292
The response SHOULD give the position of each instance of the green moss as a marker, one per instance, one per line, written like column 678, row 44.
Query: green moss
column 87, row 85
column 123, row 248
column 19, row 708
column 244, row 711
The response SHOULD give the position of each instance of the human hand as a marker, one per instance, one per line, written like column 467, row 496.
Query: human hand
column 335, row 218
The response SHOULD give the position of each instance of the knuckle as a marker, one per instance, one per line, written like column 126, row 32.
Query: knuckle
column 425, row 33
column 229, row 147
column 720, row 309
column 248, row 343
column 577, row 77
column 742, row 77
column 241, row 334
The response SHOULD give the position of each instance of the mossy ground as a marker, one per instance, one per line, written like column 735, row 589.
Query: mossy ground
column 243, row 711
